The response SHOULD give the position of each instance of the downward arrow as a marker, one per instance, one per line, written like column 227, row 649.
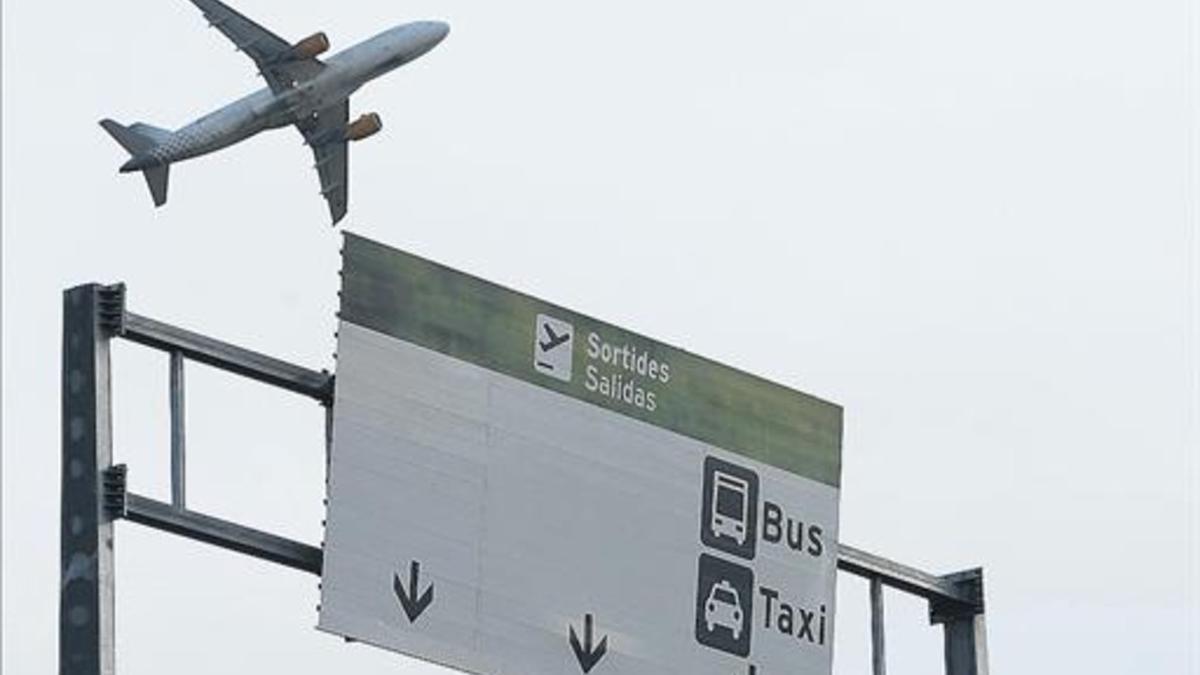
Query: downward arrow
column 588, row 658
column 413, row 606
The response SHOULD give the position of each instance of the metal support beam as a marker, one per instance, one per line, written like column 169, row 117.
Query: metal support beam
column 905, row 578
column 178, row 449
column 218, row 532
column 963, row 626
column 86, row 635
column 878, row 662
column 966, row 646
column 256, row 366
column 955, row 601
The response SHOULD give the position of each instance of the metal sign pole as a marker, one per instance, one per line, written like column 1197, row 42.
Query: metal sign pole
column 966, row 650
column 878, row 660
column 86, row 603
column 963, row 626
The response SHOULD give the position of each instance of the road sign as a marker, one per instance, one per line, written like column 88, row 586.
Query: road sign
column 518, row 488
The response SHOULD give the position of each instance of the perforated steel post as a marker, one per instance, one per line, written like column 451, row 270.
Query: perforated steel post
column 86, row 596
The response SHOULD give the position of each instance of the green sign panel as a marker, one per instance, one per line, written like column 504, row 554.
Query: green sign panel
column 464, row 317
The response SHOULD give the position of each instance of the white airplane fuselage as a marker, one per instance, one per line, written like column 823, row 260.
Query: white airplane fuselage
column 345, row 73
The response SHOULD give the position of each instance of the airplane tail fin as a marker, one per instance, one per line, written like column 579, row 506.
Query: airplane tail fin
column 138, row 139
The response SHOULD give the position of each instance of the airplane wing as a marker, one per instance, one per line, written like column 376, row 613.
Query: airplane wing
column 324, row 133
column 271, row 53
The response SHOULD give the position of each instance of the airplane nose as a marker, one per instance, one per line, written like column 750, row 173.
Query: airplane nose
column 415, row 39
column 433, row 31
column 437, row 30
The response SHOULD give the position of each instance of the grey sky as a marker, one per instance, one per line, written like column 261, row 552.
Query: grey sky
column 973, row 225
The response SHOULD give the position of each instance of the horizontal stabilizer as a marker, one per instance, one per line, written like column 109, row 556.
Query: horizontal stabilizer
column 134, row 140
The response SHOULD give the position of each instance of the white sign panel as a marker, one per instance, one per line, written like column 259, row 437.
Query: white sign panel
column 549, row 496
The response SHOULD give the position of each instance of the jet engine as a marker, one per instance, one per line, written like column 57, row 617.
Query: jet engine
column 366, row 125
column 313, row 45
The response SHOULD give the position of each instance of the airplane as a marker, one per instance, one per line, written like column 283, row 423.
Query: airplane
column 301, row 90
column 555, row 339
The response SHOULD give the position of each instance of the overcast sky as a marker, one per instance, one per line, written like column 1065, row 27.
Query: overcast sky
column 971, row 224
